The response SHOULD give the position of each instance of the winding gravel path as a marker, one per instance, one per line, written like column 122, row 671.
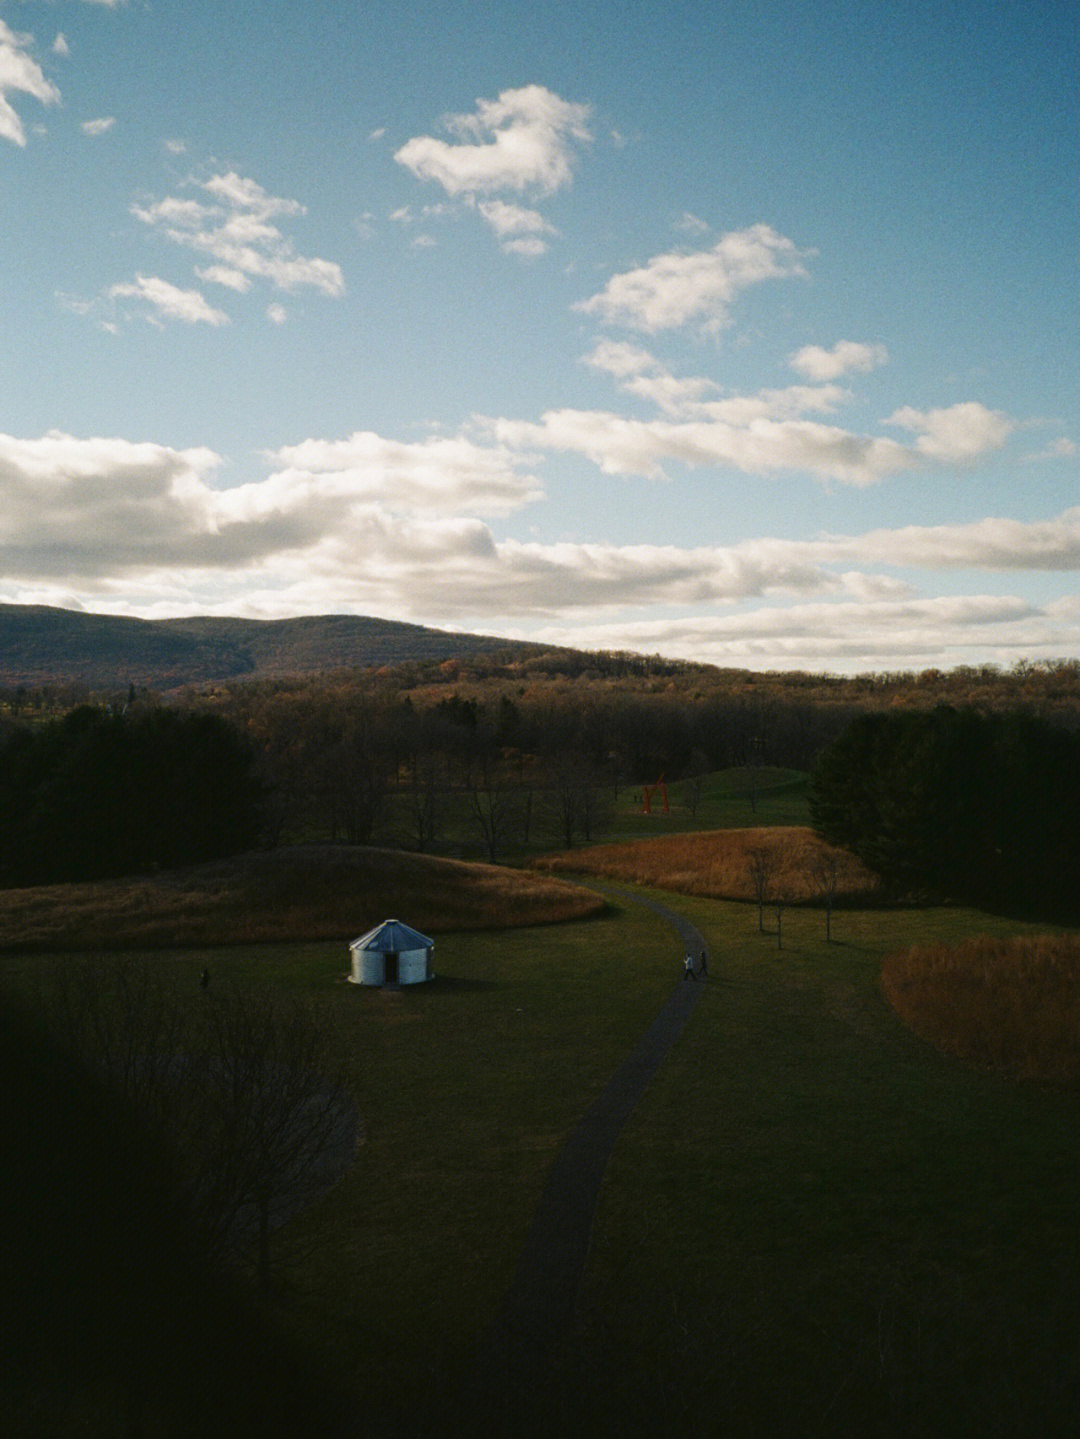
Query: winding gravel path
column 539, row 1306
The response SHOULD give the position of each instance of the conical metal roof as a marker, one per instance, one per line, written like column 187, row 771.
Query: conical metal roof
column 392, row 937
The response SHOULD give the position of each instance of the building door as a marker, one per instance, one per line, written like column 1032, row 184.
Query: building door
column 390, row 970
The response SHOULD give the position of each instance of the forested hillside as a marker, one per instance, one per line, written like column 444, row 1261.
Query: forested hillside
column 41, row 645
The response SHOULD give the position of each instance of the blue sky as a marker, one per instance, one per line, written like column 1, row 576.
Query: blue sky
column 740, row 332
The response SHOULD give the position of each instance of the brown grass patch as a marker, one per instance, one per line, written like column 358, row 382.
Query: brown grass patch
column 715, row 864
column 299, row 893
column 1007, row 1004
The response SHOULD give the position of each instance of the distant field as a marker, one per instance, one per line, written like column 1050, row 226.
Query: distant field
column 717, row 864
column 301, row 893
column 1006, row 1004
column 744, row 796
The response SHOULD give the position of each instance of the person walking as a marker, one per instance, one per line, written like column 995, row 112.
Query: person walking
column 688, row 968
column 704, row 964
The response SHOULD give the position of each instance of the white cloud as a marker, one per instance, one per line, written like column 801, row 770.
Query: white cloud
column 60, row 46
column 958, row 433
column 276, row 314
column 691, row 224
column 237, row 231
column 520, row 231
column 850, row 637
column 93, row 128
column 21, row 75
column 376, row 525
column 527, row 139
column 677, row 288
column 1060, row 449
column 435, row 476
column 620, row 446
column 758, row 434
column 641, row 374
column 622, row 359
column 845, row 356
column 169, row 302
column 223, row 275
column 88, row 508
column 994, row 543
column 175, row 147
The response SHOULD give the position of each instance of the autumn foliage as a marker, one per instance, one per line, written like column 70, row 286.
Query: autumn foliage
column 1011, row 1005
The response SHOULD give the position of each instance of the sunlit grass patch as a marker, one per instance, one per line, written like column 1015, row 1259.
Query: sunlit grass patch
column 716, row 864
column 298, row 893
column 1009, row 1004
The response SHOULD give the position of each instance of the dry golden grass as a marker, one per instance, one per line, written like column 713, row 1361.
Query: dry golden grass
column 715, row 864
column 1008, row 1004
column 299, row 893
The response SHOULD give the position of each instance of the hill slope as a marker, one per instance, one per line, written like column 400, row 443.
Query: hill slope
column 43, row 645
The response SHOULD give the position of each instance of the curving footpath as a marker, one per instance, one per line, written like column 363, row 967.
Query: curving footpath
column 539, row 1306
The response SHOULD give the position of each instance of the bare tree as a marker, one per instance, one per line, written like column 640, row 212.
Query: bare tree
column 825, row 877
column 761, row 867
column 275, row 1111
column 244, row 1089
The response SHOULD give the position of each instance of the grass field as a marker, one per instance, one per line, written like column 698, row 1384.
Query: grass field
column 294, row 893
column 1007, row 1004
column 719, row 864
column 815, row 1223
column 725, row 799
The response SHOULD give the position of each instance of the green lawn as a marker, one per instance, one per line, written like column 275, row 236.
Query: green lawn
column 726, row 799
column 825, row 1226
column 813, row 1223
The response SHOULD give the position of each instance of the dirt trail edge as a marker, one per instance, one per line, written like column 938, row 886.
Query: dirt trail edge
column 539, row 1306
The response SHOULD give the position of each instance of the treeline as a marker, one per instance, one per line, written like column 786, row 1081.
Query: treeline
column 974, row 807
column 98, row 794
column 489, row 756
column 451, row 772
column 1050, row 688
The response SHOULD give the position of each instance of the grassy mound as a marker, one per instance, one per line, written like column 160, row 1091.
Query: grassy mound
column 717, row 864
column 1007, row 1004
column 298, row 893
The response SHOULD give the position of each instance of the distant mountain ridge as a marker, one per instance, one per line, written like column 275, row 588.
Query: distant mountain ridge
column 40, row 644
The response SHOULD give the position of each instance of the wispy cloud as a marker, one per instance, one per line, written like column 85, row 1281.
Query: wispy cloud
column 1059, row 449
column 699, row 287
column 168, row 302
column 240, row 230
column 760, row 435
column 20, row 74
column 520, row 231
column 94, row 128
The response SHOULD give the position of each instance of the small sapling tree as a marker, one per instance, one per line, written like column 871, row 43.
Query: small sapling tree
column 761, row 871
column 825, row 879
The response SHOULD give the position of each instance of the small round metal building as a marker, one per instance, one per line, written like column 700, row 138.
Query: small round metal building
column 391, row 953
